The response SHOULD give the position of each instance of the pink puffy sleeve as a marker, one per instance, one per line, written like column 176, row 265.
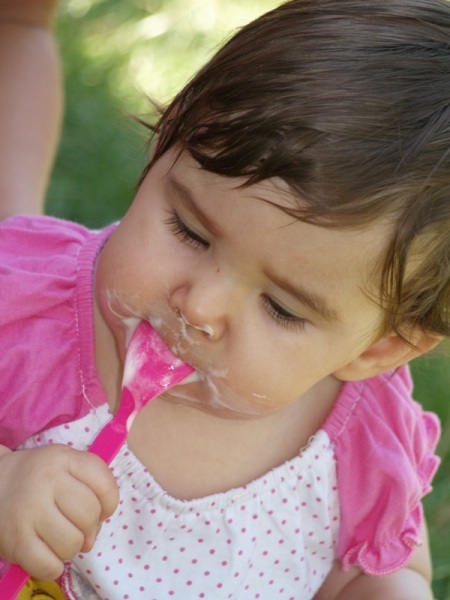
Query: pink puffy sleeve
column 47, row 366
column 384, row 447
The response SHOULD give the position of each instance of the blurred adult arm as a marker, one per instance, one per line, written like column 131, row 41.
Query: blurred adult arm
column 31, row 101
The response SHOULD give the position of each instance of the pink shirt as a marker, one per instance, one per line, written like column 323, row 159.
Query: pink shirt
column 46, row 325
column 373, row 458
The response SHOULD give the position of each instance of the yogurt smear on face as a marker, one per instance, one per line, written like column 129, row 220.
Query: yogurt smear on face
column 205, row 388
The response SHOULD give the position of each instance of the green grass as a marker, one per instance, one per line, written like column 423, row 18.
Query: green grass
column 103, row 152
column 432, row 388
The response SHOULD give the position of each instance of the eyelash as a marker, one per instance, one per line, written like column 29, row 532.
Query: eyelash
column 178, row 228
column 282, row 316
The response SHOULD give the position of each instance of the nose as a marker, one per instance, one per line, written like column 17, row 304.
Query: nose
column 204, row 304
column 207, row 329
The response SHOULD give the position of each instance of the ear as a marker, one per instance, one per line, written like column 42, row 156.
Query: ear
column 386, row 354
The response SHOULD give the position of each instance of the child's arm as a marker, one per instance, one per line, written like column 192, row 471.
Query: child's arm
column 30, row 103
column 413, row 582
column 53, row 501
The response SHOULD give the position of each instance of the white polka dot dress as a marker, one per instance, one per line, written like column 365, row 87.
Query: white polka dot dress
column 272, row 539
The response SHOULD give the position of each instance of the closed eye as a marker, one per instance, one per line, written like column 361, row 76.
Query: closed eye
column 281, row 315
column 184, row 233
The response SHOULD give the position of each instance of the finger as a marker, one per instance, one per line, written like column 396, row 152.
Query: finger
column 89, row 541
column 79, row 504
column 92, row 471
column 61, row 536
column 37, row 559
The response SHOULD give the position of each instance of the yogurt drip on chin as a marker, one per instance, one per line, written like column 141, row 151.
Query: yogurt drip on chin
column 215, row 398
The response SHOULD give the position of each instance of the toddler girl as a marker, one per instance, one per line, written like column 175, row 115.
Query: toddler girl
column 290, row 240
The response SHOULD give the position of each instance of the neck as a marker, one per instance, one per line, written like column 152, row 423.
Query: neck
column 192, row 453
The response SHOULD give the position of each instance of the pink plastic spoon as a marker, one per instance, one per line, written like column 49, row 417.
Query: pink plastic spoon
column 150, row 369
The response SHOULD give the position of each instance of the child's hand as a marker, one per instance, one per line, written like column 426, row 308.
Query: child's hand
column 53, row 501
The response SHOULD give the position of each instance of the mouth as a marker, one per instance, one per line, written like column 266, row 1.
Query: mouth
column 176, row 336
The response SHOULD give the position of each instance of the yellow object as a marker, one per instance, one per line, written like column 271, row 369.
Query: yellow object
column 41, row 590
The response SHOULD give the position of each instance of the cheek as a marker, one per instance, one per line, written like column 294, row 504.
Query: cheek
column 131, row 273
column 270, row 377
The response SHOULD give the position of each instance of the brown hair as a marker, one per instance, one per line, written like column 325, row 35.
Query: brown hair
column 349, row 103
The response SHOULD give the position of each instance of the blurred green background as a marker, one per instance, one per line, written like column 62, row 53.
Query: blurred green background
column 118, row 53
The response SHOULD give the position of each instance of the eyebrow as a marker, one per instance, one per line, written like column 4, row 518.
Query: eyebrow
column 313, row 301
column 184, row 195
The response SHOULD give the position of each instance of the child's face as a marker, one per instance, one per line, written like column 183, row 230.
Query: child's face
column 266, row 308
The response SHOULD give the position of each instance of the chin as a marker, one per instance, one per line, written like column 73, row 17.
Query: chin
column 191, row 396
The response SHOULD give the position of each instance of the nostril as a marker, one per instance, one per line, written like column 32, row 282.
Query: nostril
column 205, row 328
